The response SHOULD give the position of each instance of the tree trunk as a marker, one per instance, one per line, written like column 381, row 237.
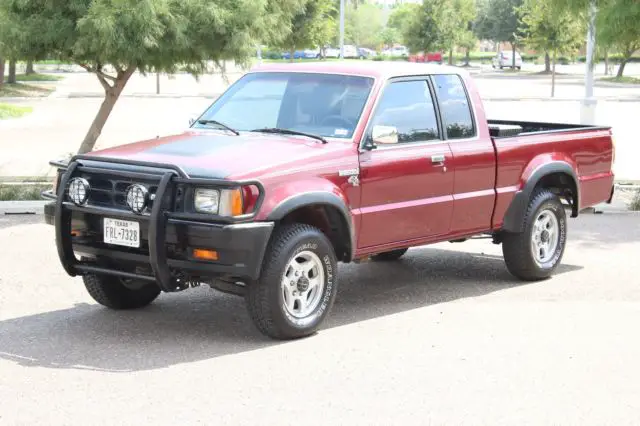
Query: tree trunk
column 11, row 78
column 553, row 75
column 451, row 56
column 547, row 63
column 621, row 67
column 291, row 52
column 1, row 71
column 29, row 69
column 112, row 93
column 513, row 56
column 467, row 57
column 606, row 62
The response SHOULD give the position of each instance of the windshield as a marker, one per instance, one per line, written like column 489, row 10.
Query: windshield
column 327, row 105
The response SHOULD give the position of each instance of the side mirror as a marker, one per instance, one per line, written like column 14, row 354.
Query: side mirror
column 384, row 135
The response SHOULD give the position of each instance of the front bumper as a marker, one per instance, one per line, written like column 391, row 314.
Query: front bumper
column 167, row 240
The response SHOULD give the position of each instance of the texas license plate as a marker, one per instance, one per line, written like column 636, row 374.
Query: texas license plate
column 122, row 232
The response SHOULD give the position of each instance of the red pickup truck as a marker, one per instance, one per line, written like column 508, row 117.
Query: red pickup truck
column 297, row 167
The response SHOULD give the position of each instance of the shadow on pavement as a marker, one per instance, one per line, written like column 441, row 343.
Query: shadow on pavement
column 201, row 324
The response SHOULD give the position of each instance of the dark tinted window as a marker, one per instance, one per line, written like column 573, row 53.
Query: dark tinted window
column 454, row 107
column 408, row 106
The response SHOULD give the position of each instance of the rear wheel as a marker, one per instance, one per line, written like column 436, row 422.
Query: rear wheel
column 297, row 285
column 389, row 255
column 117, row 293
column 535, row 253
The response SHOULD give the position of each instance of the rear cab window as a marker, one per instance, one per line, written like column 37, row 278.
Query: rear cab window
column 455, row 108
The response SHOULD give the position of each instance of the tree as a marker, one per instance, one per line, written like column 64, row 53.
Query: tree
column 310, row 26
column 498, row 21
column 551, row 30
column 389, row 36
column 459, row 32
column 115, row 38
column 401, row 18
column 363, row 26
column 618, row 27
column 430, row 28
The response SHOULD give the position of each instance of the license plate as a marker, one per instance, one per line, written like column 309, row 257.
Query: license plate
column 121, row 232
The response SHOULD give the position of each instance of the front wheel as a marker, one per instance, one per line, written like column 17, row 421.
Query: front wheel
column 117, row 293
column 297, row 285
column 536, row 253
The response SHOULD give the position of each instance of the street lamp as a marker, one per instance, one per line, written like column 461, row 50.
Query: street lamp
column 341, row 29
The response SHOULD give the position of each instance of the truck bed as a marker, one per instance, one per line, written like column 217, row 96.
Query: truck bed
column 507, row 128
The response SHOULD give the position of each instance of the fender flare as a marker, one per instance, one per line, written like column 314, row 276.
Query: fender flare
column 317, row 198
column 514, row 217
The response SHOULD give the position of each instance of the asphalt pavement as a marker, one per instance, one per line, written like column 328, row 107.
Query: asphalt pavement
column 443, row 337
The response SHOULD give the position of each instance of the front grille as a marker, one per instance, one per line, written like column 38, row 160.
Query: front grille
column 110, row 191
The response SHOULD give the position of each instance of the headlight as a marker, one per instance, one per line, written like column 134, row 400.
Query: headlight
column 207, row 200
column 226, row 202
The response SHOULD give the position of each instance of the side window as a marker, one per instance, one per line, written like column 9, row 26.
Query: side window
column 408, row 106
column 454, row 107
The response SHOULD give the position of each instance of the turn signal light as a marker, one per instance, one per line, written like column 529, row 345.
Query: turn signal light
column 205, row 254
column 236, row 202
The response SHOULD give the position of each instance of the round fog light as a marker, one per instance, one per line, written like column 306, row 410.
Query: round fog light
column 79, row 191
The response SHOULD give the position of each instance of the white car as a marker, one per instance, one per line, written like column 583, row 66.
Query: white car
column 397, row 51
column 504, row 59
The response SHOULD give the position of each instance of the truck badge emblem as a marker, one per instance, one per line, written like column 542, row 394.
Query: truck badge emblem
column 353, row 180
column 349, row 172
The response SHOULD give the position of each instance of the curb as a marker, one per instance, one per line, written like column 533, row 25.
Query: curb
column 22, row 207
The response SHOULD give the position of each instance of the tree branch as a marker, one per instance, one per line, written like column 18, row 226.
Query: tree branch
column 107, row 87
column 106, row 76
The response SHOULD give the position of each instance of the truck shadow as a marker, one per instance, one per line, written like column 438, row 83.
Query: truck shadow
column 201, row 324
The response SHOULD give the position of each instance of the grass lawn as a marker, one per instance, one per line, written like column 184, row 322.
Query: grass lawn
column 623, row 79
column 38, row 77
column 19, row 192
column 13, row 111
column 22, row 90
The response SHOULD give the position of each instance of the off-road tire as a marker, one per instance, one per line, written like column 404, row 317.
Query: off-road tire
column 109, row 291
column 264, row 297
column 389, row 255
column 516, row 247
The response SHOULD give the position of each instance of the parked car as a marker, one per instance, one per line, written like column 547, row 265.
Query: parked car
column 504, row 59
column 397, row 51
column 351, row 51
column 302, row 54
column 365, row 53
column 331, row 52
column 336, row 162
column 432, row 57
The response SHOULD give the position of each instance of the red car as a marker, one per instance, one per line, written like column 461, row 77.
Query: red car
column 297, row 167
column 432, row 57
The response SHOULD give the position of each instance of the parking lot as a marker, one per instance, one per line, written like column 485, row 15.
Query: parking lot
column 444, row 336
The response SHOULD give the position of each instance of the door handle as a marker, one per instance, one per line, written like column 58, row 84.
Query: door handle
column 437, row 159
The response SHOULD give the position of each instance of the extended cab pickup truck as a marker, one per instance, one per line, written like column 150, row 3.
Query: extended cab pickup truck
column 297, row 167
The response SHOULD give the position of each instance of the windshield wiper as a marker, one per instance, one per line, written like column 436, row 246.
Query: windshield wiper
column 289, row 132
column 205, row 122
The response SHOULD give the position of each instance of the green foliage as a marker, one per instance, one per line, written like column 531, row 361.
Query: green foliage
column 13, row 111
column 441, row 25
column 311, row 26
column 389, row 36
column 623, row 79
column 400, row 19
column 549, row 29
column 363, row 26
column 618, row 27
column 498, row 20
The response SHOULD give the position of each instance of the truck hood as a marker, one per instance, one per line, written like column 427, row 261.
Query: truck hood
column 212, row 154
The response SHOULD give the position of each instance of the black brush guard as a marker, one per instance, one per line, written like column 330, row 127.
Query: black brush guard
column 167, row 176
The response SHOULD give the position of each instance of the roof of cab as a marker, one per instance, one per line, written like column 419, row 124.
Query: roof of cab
column 373, row 69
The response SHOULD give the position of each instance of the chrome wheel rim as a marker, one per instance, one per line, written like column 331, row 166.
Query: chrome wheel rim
column 545, row 236
column 302, row 284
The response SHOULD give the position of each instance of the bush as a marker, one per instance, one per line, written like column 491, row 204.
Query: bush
column 635, row 202
column 22, row 192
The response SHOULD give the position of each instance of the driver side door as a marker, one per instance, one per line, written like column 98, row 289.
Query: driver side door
column 407, row 186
